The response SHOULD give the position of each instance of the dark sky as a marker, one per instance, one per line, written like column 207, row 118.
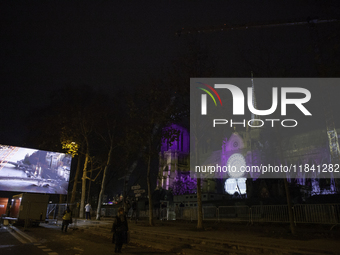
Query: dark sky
column 45, row 45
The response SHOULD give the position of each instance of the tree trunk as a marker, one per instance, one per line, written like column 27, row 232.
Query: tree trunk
column 83, row 186
column 149, row 192
column 199, row 205
column 75, row 182
column 289, row 202
column 290, row 208
column 61, row 198
column 102, row 189
column 89, row 188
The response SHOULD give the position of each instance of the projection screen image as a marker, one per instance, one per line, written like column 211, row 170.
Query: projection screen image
column 31, row 170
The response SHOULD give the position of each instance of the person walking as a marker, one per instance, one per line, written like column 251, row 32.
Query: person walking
column 134, row 211
column 127, row 207
column 67, row 219
column 120, row 230
column 88, row 211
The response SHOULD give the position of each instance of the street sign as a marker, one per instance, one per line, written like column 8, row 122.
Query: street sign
column 138, row 195
column 139, row 191
column 135, row 187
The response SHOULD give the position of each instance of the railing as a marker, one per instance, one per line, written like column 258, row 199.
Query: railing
column 269, row 213
column 306, row 213
column 210, row 212
column 318, row 213
column 145, row 213
column 109, row 212
column 234, row 213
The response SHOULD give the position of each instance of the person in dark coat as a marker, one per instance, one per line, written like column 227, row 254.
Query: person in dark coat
column 119, row 229
column 134, row 211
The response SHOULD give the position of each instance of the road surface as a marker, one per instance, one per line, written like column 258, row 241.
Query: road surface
column 49, row 240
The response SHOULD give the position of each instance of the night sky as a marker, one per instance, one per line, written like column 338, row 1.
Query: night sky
column 46, row 45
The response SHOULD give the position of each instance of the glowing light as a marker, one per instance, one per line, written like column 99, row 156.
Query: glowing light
column 233, row 185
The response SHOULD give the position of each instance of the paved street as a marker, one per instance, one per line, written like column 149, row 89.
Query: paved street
column 92, row 237
column 50, row 240
column 9, row 244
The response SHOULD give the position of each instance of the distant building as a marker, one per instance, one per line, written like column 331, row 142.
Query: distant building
column 173, row 159
column 250, row 147
column 247, row 148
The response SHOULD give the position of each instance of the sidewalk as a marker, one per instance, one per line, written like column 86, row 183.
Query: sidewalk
column 224, row 238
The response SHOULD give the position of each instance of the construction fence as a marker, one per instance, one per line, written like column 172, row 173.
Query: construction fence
column 302, row 213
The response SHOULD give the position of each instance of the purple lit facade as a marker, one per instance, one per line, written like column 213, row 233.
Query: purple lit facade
column 174, row 159
column 252, row 146
column 309, row 148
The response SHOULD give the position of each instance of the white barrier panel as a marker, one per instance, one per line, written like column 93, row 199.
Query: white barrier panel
column 189, row 213
column 171, row 213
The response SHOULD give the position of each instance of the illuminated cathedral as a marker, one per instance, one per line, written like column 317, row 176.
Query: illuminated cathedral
column 249, row 147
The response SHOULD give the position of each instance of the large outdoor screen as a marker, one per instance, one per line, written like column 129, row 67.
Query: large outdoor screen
column 31, row 170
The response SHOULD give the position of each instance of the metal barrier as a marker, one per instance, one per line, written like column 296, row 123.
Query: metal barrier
column 308, row 213
column 109, row 212
column 318, row 213
column 167, row 213
column 179, row 213
column 269, row 213
column 209, row 212
column 145, row 213
column 171, row 213
column 56, row 211
column 234, row 213
column 163, row 214
column 186, row 213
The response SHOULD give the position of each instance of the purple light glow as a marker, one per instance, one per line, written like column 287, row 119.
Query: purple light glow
column 182, row 144
column 184, row 184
